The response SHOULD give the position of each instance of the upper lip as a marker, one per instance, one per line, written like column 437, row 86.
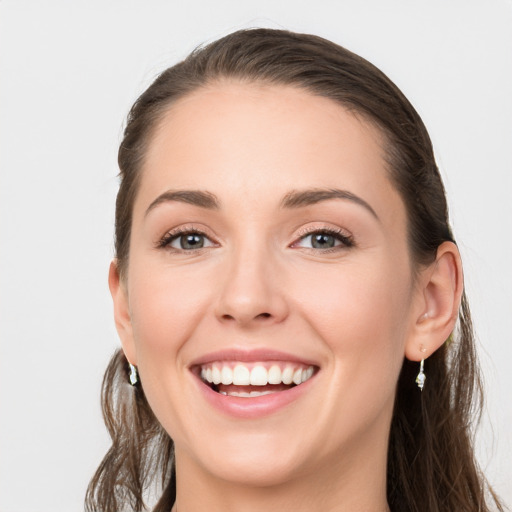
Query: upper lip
column 250, row 356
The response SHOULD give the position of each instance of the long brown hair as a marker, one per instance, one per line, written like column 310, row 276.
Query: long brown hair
column 431, row 463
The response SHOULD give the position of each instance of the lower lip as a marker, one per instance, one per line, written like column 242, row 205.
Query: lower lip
column 253, row 407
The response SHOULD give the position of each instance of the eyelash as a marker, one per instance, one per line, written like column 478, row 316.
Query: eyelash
column 168, row 238
column 347, row 241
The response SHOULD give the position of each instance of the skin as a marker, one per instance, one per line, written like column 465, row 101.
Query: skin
column 258, row 283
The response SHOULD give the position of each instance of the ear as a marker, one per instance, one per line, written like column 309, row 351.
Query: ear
column 122, row 312
column 439, row 296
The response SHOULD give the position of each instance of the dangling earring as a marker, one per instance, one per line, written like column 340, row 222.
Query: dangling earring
column 134, row 378
column 421, row 378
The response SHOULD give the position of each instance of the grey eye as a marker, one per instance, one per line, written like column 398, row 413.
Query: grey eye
column 322, row 241
column 190, row 241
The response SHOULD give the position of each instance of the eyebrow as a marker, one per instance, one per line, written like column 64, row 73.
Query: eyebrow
column 301, row 198
column 195, row 197
column 293, row 199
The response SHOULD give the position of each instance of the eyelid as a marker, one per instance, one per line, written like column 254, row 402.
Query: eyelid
column 342, row 235
column 170, row 235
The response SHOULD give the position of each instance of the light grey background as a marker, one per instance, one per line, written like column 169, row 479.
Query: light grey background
column 69, row 71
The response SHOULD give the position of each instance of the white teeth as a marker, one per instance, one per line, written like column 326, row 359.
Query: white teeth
column 227, row 375
column 255, row 374
column 307, row 374
column 246, row 394
column 216, row 375
column 287, row 376
column 259, row 376
column 261, row 393
column 297, row 376
column 241, row 376
column 274, row 375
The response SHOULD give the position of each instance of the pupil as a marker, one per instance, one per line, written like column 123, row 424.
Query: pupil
column 322, row 241
column 191, row 241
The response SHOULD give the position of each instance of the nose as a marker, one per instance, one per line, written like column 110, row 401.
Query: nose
column 252, row 291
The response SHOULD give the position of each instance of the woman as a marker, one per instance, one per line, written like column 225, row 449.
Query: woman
column 288, row 294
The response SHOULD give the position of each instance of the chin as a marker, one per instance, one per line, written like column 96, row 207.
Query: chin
column 257, row 460
column 256, row 472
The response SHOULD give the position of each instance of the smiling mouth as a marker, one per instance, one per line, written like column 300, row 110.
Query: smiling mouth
column 247, row 380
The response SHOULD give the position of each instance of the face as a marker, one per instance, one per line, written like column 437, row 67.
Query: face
column 269, row 291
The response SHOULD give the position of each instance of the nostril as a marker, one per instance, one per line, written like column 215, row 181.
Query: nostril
column 242, row 318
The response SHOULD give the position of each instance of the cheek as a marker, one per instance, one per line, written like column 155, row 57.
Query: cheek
column 360, row 311
column 360, row 315
column 166, row 307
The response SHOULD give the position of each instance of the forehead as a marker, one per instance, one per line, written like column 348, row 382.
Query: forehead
column 245, row 141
